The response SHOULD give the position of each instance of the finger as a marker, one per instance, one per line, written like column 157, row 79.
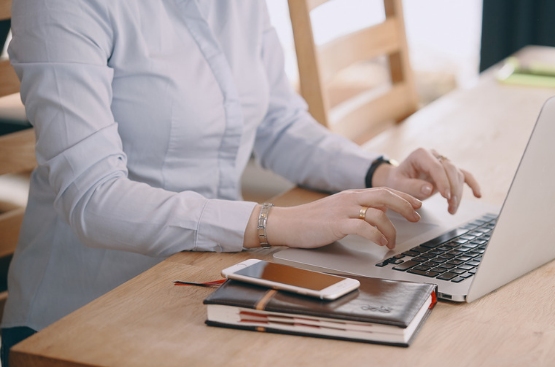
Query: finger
column 365, row 230
column 456, row 180
column 472, row 183
column 382, row 198
column 378, row 219
column 421, row 189
column 433, row 167
column 413, row 201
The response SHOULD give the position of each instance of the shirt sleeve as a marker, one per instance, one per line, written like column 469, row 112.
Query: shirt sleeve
column 291, row 143
column 60, row 51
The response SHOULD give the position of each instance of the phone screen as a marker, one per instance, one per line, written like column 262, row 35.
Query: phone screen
column 289, row 275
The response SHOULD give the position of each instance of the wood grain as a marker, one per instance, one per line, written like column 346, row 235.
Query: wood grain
column 149, row 322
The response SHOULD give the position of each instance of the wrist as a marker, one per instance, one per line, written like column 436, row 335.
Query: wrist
column 258, row 232
column 250, row 238
column 381, row 175
column 378, row 172
column 262, row 223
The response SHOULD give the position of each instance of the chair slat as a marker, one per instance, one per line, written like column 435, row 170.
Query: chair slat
column 365, row 44
column 312, row 4
column 357, row 120
column 310, row 83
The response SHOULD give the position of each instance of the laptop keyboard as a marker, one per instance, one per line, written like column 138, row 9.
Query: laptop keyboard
column 453, row 256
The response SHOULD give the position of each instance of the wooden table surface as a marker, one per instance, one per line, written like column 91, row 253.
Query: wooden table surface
column 150, row 322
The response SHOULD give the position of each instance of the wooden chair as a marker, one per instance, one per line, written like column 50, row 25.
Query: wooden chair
column 350, row 111
column 17, row 156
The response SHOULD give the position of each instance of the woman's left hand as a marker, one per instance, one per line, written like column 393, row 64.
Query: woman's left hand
column 425, row 172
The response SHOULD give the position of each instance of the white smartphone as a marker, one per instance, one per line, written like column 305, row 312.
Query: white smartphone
column 288, row 278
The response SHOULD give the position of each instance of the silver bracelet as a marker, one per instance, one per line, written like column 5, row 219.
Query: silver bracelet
column 262, row 222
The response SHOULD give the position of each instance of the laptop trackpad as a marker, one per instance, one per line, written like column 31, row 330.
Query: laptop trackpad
column 406, row 232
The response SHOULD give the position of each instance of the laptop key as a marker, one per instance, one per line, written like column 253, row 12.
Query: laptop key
column 468, row 227
column 435, row 252
column 420, row 249
column 470, row 245
column 411, row 253
column 446, row 256
column 462, row 249
column 406, row 265
column 465, row 267
column 437, row 261
column 446, row 266
column 458, row 279
column 467, row 237
column 420, row 259
column 423, row 267
column 447, row 276
column 430, row 273
column 458, row 271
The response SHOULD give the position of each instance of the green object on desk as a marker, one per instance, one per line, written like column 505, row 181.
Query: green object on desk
column 535, row 75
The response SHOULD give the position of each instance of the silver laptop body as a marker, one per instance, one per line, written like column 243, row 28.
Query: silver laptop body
column 522, row 239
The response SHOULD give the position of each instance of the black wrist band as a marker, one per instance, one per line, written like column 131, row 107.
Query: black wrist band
column 375, row 164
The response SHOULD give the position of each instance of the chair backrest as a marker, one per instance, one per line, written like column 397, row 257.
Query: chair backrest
column 17, row 156
column 350, row 111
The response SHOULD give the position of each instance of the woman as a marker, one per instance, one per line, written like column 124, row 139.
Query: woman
column 146, row 114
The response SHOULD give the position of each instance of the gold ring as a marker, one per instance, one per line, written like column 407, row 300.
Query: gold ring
column 362, row 212
column 441, row 158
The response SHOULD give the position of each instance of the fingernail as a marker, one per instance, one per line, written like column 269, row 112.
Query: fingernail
column 454, row 205
column 426, row 189
column 416, row 216
column 447, row 194
column 383, row 241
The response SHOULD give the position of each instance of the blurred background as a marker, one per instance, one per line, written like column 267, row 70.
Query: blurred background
column 450, row 43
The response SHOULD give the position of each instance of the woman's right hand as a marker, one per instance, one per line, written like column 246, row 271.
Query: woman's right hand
column 330, row 219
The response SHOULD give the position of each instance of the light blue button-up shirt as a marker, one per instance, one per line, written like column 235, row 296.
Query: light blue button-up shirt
column 146, row 113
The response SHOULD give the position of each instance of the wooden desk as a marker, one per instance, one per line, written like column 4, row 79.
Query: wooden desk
column 149, row 322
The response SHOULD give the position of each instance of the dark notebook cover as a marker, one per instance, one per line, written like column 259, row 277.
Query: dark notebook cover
column 377, row 301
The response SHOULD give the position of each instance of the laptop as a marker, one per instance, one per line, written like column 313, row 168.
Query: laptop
column 472, row 253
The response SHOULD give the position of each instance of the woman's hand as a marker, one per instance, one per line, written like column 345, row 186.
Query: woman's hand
column 360, row 212
column 425, row 172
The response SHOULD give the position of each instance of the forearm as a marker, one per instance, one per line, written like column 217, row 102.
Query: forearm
column 329, row 219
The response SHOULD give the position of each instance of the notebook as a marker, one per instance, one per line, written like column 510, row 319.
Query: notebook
column 478, row 250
